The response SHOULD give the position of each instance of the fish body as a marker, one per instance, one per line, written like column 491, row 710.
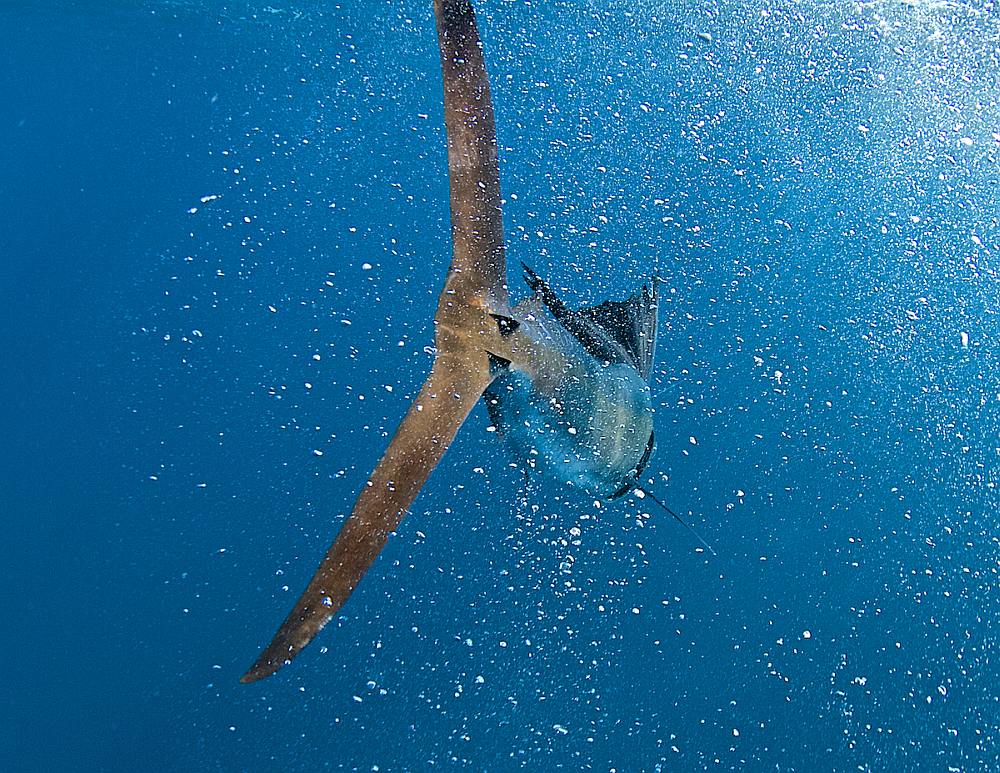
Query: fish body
column 570, row 415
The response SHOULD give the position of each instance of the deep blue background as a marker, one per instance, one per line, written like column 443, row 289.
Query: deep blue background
column 818, row 185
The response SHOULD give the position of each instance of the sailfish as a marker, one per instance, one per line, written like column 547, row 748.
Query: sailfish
column 567, row 388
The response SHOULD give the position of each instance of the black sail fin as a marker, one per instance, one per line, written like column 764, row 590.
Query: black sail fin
column 613, row 330
column 632, row 323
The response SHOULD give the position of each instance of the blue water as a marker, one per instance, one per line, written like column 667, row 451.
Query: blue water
column 222, row 233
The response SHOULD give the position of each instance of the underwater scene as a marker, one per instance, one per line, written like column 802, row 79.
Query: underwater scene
column 689, row 324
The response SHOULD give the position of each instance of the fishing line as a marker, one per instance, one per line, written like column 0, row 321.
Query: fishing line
column 680, row 520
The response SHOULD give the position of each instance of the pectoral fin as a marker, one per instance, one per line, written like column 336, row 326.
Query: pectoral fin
column 451, row 390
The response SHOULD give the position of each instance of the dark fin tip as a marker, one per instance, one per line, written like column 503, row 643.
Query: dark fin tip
column 534, row 281
column 256, row 673
column 498, row 364
column 625, row 488
column 263, row 668
column 507, row 325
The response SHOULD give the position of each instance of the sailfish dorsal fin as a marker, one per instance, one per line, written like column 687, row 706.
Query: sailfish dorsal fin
column 616, row 331
column 632, row 323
